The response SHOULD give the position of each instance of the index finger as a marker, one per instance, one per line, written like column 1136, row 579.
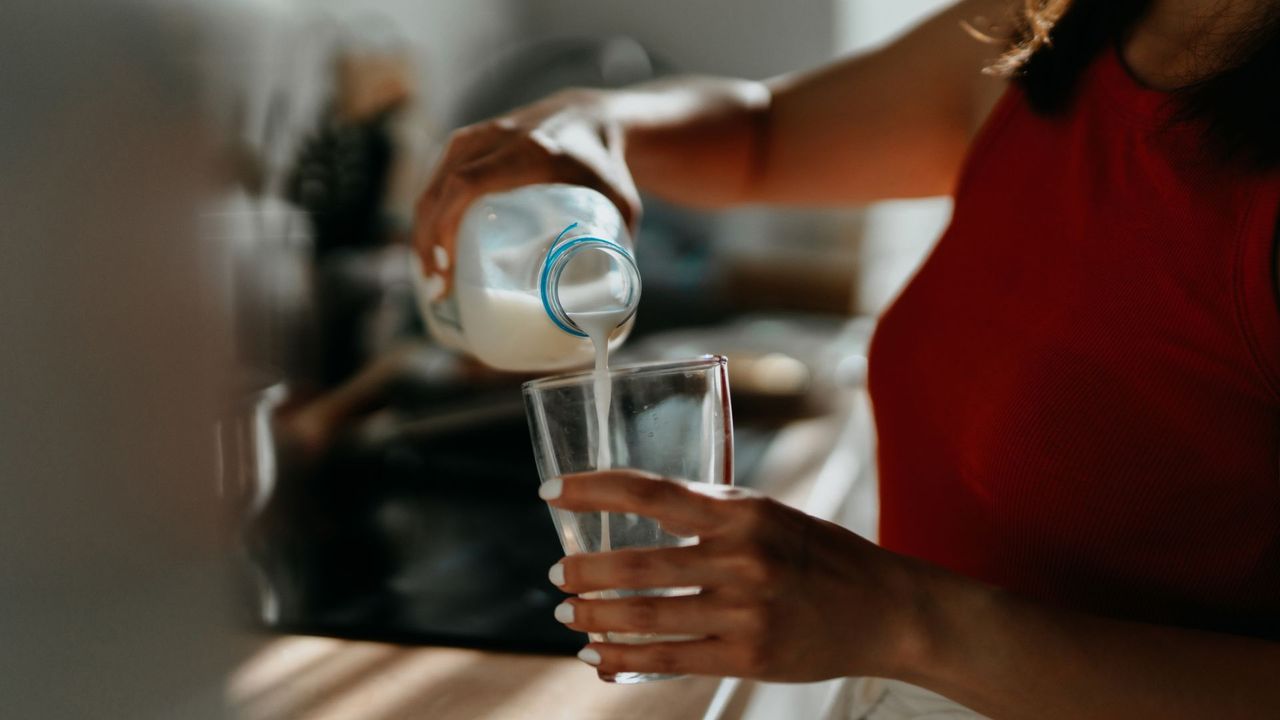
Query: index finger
column 670, row 502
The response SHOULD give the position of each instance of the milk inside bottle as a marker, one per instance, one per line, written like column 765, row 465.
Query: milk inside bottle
column 539, row 273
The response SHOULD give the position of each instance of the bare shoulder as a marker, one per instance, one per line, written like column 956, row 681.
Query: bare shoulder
column 895, row 121
column 968, row 36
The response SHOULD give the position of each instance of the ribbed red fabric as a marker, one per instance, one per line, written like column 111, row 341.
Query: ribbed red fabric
column 1078, row 396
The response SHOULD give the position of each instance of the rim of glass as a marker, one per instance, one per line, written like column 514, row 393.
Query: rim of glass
column 657, row 367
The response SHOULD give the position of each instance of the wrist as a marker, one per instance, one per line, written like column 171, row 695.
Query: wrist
column 940, row 612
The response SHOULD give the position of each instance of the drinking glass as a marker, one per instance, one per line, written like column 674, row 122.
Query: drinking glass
column 670, row 419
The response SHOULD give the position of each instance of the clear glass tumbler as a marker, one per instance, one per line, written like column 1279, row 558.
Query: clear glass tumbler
column 670, row 419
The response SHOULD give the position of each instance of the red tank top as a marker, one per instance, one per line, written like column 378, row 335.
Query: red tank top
column 1078, row 396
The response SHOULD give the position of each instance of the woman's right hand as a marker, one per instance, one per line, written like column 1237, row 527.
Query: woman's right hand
column 784, row 596
column 565, row 138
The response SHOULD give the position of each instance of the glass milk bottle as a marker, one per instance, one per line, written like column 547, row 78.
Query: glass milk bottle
column 537, row 270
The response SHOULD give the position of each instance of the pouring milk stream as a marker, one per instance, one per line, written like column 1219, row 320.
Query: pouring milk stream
column 598, row 324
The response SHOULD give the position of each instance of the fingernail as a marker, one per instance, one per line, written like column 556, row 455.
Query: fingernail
column 442, row 258
column 556, row 574
column 550, row 490
column 564, row 613
column 589, row 656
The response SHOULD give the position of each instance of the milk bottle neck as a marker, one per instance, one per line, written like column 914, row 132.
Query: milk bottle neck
column 583, row 274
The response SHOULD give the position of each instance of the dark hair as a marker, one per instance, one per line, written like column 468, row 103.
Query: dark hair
column 1055, row 40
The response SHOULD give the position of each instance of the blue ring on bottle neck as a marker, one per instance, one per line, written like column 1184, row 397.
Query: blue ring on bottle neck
column 552, row 257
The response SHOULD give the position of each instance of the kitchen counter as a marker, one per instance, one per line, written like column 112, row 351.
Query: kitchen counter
column 811, row 464
column 310, row 678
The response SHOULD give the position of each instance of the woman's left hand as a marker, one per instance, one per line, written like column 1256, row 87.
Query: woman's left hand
column 785, row 596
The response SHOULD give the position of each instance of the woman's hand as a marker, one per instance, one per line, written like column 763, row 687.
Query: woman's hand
column 565, row 138
column 785, row 596
column 789, row 597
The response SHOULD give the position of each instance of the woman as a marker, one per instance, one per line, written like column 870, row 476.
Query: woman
column 1077, row 397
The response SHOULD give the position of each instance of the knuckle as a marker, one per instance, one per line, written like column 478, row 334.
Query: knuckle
column 648, row 492
column 756, row 659
column 467, row 142
column 753, row 568
column 430, row 197
column 453, row 145
column 463, row 177
column 755, row 623
column 633, row 569
column 457, row 142
column 641, row 614
column 542, row 141
column 767, row 574
column 663, row 659
column 458, row 184
column 478, row 130
column 756, row 512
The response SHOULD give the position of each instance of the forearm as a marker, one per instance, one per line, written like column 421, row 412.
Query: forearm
column 891, row 123
column 1009, row 658
column 844, row 134
column 692, row 140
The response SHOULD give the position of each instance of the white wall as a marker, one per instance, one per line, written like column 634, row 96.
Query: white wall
column 864, row 23
column 288, row 55
column 450, row 38
column 745, row 38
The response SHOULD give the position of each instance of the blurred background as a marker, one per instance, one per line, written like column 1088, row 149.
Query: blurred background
column 212, row 351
